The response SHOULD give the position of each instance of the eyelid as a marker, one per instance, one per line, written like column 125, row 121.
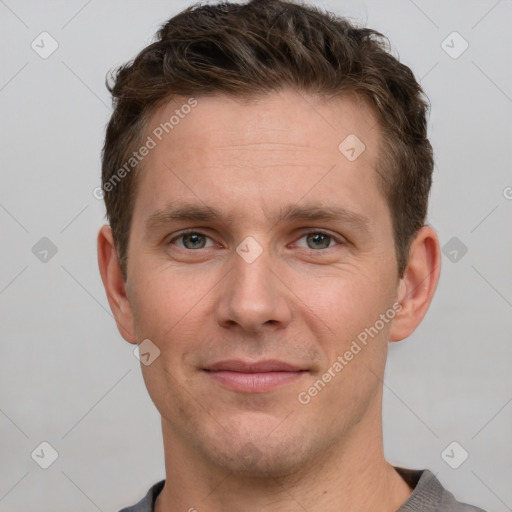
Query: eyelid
column 340, row 240
column 188, row 231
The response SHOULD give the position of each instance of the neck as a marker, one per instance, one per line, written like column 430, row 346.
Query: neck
column 352, row 476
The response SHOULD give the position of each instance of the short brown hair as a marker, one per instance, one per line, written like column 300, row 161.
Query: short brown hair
column 263, row 46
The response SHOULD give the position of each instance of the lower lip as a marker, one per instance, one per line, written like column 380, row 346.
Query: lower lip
column 254, row 382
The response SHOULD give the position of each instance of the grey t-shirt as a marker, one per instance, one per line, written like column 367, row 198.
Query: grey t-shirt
column 428, row 495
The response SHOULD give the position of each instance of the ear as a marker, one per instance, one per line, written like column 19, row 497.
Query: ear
column 114, row 284
column 418, row 284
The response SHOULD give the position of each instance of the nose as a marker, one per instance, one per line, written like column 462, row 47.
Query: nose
column 253, row 296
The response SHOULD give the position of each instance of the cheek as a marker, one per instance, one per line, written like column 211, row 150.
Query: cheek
column 350, row 304
column 344, row 302
column 171, row 315
column 172, row 312
column 165, row 301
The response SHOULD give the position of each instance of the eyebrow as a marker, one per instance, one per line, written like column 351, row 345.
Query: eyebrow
column 195, row 212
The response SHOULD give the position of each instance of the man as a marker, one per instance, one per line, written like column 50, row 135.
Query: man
column 266, row 174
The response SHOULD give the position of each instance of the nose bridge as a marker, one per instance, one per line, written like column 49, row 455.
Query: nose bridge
column 252, row 295
column 253, row 277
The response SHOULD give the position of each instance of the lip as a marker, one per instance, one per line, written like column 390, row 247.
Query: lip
column 253, row 377
column 269, row 365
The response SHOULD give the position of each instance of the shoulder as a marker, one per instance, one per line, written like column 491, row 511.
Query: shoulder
column 147, row 503
column 430, row 495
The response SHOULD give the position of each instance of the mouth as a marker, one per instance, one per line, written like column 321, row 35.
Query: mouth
column 259, row 377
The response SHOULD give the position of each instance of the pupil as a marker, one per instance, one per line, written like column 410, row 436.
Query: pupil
column 320, row 240
column 194, row 240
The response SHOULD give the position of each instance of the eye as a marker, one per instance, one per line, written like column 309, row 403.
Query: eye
column 314, row 240
column 191, row 240
column 317, row 240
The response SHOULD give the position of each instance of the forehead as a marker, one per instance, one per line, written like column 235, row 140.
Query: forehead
column 264, row 152
column 236, row 125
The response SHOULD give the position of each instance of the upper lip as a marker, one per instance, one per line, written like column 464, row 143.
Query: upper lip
column 272, row 365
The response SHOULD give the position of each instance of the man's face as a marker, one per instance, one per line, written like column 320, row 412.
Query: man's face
column 250, row 292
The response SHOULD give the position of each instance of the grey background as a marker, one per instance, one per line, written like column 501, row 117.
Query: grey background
column 68, row 378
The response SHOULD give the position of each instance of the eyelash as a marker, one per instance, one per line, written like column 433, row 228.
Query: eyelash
column 336, row 239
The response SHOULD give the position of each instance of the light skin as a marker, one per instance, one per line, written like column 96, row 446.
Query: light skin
column 266, row 167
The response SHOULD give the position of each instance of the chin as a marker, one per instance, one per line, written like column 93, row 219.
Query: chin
column 253, row 461
column 254, row 456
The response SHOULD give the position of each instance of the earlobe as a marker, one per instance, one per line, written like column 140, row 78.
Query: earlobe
column 418, row 284
column 114, row 284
